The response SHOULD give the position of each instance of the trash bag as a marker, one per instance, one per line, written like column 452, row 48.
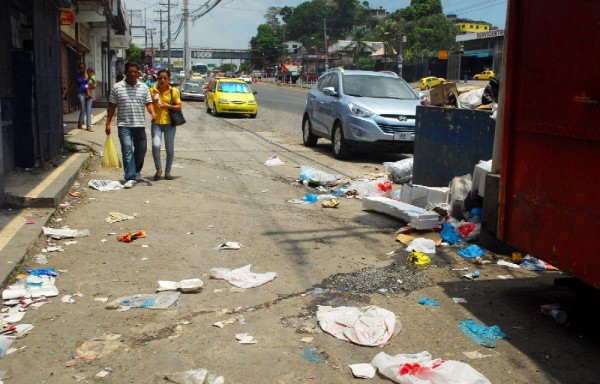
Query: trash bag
column 401, row 170
column 490, row 92
column 449, row 234
column 471, row 99
column 110, row 159
column 421, row 244
column 472, row 251
column 325, row 179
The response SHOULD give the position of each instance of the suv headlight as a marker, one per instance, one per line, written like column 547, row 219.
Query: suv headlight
column 359, row 111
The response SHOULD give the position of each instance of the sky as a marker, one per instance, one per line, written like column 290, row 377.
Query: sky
column 233, row 22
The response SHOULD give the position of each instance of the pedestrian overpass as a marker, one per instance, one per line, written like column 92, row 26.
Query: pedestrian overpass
column 207, row 53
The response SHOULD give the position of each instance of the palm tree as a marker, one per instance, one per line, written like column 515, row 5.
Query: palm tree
column 358, row 45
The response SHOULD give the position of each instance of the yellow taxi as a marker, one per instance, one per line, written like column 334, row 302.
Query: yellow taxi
column 430, row 82
column 227, row 95
column 485, row 75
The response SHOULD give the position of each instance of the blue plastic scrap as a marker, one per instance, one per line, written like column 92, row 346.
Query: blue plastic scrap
column 481, row 334
column 42, row 272
column 312, row 354
column 477, row 212
column 449, row 234
column 426, row 301
column 472, row 251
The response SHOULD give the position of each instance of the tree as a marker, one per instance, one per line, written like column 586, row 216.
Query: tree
column 133, row 54
column 271, row 16
column 419, row 9
column 366, row 64
column 246, row 66
column 358, row 45
column 226, row 67
column 266, row 43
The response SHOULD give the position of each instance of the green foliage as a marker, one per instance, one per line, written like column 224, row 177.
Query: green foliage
column 430, row 34
column 246, row 66
column 419, row 9
column 134, row 53
column 225, row 67
column 267, row 43
column 366, row 64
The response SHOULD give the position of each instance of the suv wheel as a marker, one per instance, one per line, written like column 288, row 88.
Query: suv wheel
column 308, row 138
column 341, row 150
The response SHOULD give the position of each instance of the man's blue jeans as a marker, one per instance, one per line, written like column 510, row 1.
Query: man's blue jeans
column 133, row 150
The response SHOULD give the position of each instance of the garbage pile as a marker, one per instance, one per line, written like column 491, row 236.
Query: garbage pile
column 448, row 95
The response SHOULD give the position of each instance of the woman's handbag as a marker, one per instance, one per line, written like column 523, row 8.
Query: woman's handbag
column 176, row 116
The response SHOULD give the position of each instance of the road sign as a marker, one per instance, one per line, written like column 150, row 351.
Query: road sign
column 443, row 55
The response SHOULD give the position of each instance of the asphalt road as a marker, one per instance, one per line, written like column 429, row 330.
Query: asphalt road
column 222, row 191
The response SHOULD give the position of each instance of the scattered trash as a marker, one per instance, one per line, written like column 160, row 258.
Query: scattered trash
column 31, row 221
column 508, row 264
column 242, row 277
column 480, row 334
column 69, row 242
column 401, row 170
column 53, row 249
column 5, row 344
column 67, row 299
column 418, row 258
column 417, row 218
column 423, row 196
column 363, row 370
column 105, row 185
column 115, row 217
column 505, row 277
column 41, row 259
column 475, row 355
column 472, row 275
column 44, row 287
column 161, row 300
column 99, row 347
column 229, row 245
column 317, row 177
column 129, row 236
column 406, row 236
column 368, row 326
column 103, row 372
column 312, row 354
column 316, row 291
column 310, row 198
column 185, row 286
column 422, row 245
column 245, row 338
column 194, row 376
column 472, row 251
column 64, row 233
column 101, row 299
column 533, row 264
column 330, row 202
column 74, row 194
column 274, row 161
column 459, row 300
column 426, row 301
column 307, row 339
column 421, row 368
column 554, row 311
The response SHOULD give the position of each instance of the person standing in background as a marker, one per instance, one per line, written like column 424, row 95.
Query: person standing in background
column 85, row 111
column 91, row 85
column 130, row 96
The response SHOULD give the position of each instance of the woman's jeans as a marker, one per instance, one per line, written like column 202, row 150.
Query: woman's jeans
column 133, row 150
column 157, row 132
column 85, row 109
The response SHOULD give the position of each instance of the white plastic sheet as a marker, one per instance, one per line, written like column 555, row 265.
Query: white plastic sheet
column 421, row 244
column 105, row 185
column 363, row 370
column 369, row 326
column 161, row 300
column 274, row 161
column 421, row 368
column 242, row 277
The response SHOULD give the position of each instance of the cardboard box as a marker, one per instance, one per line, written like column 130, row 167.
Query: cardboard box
column 438, row 95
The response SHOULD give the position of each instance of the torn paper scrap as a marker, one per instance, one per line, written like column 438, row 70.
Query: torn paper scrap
column 194, row 376
column 363, row 370
column 105, row 185
column 64, row 233
column 422, row 368
column 242, row 277
column 369, row 326
column 229, row 245
column 161, row 300
column 245, row 338
column 115, row 217
column 188, row 285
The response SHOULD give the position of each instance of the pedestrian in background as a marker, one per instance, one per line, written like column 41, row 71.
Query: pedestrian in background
column 130, row 97
column 85, row 107
column 165, row 98
column 91, row 85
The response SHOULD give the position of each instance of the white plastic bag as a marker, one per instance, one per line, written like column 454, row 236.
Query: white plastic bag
column 242, row 277
column 274, row 161
column 401, row 170
column 371, row 188
column 421, row 244
column 420, row 368
column 471, row 99
column 161, row 300
column 319, row 177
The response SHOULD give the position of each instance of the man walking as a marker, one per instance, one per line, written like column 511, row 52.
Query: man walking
column 130, row 96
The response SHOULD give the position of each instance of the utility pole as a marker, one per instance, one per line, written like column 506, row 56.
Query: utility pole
column 326, row 48
column 160, row 44
column 169, row 34
column 186, row 43
column 151, row 31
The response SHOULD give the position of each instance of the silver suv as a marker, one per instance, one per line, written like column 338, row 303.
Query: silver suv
column 360, row 110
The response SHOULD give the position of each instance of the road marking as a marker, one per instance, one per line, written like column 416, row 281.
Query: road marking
column 35, row 192
column 10, row 230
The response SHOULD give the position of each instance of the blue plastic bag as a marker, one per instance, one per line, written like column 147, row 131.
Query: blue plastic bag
column 481, row 334
column 426, row 301
column 477, row 212
column 472, row 251
column 42, row 272
column 311, row 198
column 449, row 234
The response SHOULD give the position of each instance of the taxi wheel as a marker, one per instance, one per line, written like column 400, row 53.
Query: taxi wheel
column 207, row 108
column 214, row 111
column 253, row 115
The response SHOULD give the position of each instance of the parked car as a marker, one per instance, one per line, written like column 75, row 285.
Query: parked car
column 231, row 96
column 246, row 78
column 485, row 75
column 256, row 73
column 430, row 82
column 192, row 90
column 230, row 74
column 309, row 77
column 360, row 110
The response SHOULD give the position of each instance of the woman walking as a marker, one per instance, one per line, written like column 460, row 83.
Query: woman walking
column 85, row 102
column 165, row 98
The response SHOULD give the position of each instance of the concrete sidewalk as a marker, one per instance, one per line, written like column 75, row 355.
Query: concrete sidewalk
column 31, row 196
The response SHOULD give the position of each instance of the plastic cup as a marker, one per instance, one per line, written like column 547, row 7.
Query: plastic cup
column 558, row 315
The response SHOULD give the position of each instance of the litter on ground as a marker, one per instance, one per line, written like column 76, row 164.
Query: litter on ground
column 242, row 277
column 161, row 300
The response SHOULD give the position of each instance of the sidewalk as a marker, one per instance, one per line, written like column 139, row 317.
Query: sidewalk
column 35, row 194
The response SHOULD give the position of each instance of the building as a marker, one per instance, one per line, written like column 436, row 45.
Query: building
column 468, row 25
column 377, row 13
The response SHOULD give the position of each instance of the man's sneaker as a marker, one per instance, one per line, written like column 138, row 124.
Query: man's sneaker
column 130, row 184
column 138, row 176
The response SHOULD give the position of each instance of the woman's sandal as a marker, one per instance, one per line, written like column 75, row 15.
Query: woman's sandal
column 157, row 175
column 168, row 176
column 89, row 129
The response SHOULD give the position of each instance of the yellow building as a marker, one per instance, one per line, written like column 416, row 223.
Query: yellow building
column 469, row 26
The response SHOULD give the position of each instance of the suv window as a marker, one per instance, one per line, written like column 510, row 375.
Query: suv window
column 333, row 82
column 377, row 87
column 322, row 83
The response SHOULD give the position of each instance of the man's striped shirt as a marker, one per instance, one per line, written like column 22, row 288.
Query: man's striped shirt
column 131, row 102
